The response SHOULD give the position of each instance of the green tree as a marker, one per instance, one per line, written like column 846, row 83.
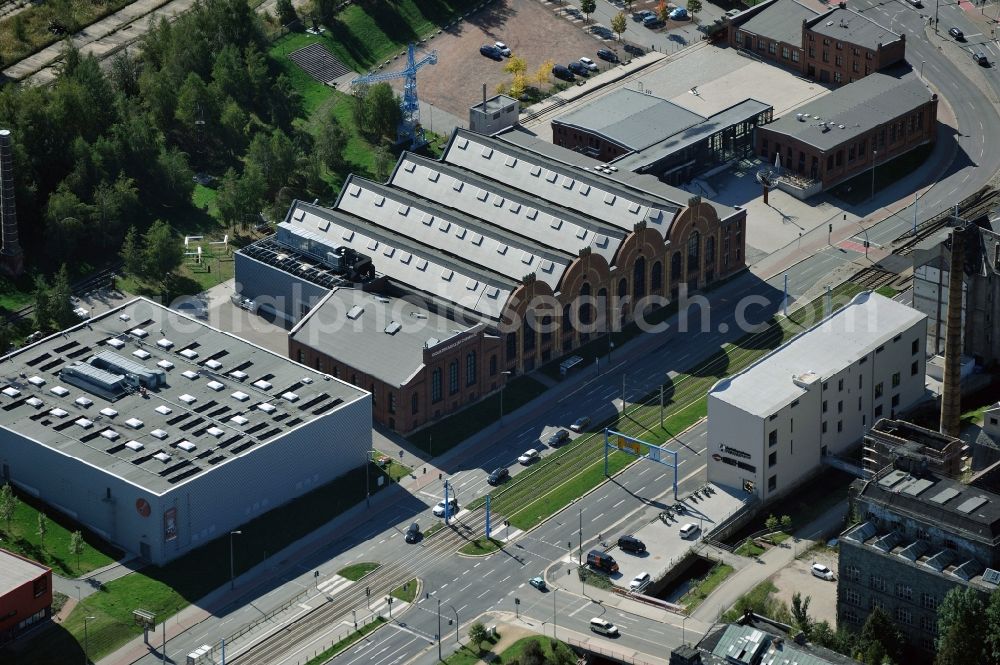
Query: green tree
column 43, row 530
column 693, row 6
column 131, row 253
column 162, row 252
column 786, row 523
column 6, row 337
column 619, row 24
column 43, row 304
column 992, row 646
column 376, row 110
column 325, row 10
column 381, row 163
column 515, row 65
column 800, row 613
column 8, row 506
column 331, row 144
column 532, row 654
column 240, row 198
column 61, row 300
column 477, row 635
column 174, row 178
column 588, row 7
column 771, row 524
column 961, row 614
column 194, row 105
column 76, row 547
column 879, row 639
column 286, row 12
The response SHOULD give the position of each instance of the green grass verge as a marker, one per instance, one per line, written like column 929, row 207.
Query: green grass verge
column 406, row 592
column 445, row 434
column 887, row 291
column 481, row 546
column 168, row 589
column 21, row 537
column 356, row 571
column 356, row 636
column 596, row 580
column 467, row 656
column 748, row 548
column 706, row 585
column 554, row 651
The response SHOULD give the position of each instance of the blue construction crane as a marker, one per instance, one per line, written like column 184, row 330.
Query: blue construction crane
column 409, row 128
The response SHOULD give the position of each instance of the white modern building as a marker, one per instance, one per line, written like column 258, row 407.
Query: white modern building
column 770, row 425
column 161, row 433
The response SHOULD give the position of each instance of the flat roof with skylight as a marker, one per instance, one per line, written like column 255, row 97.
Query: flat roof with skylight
column 157, row 398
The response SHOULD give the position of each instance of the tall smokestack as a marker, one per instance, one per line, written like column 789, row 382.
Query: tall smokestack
column 951, row 392
column 11, row 256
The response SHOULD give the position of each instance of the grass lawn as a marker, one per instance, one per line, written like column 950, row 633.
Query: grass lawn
column 706, row 585
column 407, row 592
column 466, row 656
column 334, row 649
column 445, row 434
column 552, row 649
column 748, row 548
column 757, row 598
column 356, row 571
column 22, row 538
column 167, row 589
column 593, row 579
column 481, row 546
column 395, row 470
column 887, row 291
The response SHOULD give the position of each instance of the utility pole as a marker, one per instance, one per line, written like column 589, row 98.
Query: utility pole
column 554, row 612
column 784, row 298
column 439, row 629
column 580, row 554
column 623, row 392
column 661, row 406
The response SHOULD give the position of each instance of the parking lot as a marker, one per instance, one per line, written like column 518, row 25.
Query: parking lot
column 664, row 545
column 796, row 577
column 529, row 28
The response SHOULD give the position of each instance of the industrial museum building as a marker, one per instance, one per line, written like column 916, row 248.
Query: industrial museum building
column 160, row 433
column 506, row 253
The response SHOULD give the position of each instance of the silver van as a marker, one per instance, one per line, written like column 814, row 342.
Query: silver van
column 604, row 627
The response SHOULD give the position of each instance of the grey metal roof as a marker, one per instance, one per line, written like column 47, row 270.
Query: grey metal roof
column 741, row 644
column 631, row 119
column 748, row 108
column 363, row 342
column 781, row 22
column 15, row 571
column 495, row 103
column 854, row 110
column 205, row 368
column 846, row 25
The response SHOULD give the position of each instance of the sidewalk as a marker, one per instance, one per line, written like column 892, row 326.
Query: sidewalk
column 81, row 587
column 776, row 558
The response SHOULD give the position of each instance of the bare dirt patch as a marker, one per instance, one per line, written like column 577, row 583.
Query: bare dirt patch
column 529, row 28
column 796, row 577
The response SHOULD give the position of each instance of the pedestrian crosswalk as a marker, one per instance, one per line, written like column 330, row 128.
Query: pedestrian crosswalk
column 334, row 585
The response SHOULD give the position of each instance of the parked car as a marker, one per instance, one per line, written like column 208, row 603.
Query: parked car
column 689, row 530
column 604, row 627
column 498, row 476
column 578, row 68
column 413, row 533
column 538, row 583
column 653, row 22
column 631, row 544
column 821, row 571
column 503, row 48
column 639, row 581
column 529, row 456
column 957, row 34
column 981, row 59
column 915, row 3
column 453, row 507
column 491, row 51
column 602, row 561
column 642, row 14
column 580, row 424
column 588, row 63
column 679, row 14
column 606, row 54
column 562, row 72
column 634, row 50
column 557, row 438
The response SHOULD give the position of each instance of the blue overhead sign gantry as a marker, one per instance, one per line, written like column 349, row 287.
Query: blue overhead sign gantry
column 632, row 446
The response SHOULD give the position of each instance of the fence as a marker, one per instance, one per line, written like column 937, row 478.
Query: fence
column 338, row 639
column 606, row 653
column 266, row 617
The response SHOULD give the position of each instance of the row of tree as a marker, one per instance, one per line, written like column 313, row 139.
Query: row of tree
column 8, row 508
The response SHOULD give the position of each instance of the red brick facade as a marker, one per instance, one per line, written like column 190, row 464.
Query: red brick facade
column 26, row 605
column 597, row 147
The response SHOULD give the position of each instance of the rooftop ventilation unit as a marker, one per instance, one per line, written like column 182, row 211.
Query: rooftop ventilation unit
column 144, row 376
column 393, row 328
column 95, row 381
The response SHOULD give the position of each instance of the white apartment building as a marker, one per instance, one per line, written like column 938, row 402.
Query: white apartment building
column 770, row 425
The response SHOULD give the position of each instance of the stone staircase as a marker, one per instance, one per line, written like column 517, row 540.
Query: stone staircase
column 319, row 63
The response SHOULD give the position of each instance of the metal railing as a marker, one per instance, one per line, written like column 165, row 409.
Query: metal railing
column 266, row 617
column 606, row 653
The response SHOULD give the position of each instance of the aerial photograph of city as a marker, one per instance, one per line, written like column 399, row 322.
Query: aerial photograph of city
column 513, row 332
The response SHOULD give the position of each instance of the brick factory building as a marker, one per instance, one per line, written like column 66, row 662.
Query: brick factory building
column 25, row 595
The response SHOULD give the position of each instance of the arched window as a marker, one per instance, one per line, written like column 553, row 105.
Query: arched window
column 710, row 249
column 470, row 368
column 414, row 404
column 602, row 306
column 528, row 330
column 586, row 307
column 567, row 319
column 453, row 377
column 436, row 385
column 622, row 288
column 639, row 278
column 675, row 266
column 493, row 365
column 511, row 346
column 693, row 251
column 656, row 277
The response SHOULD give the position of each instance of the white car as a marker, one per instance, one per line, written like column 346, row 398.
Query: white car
column 822, row 572
column 688, row 530
column 528, row 457
column 439, row 508
column 504, row 49
column 589, row 64
column 639, row 581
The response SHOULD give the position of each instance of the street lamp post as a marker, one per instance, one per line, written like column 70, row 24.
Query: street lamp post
column 502, row 386
column 874, row 161
column 86, row 641
column 683, row 631
column 456, row 623
column 232, row 568
column 554, row 612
